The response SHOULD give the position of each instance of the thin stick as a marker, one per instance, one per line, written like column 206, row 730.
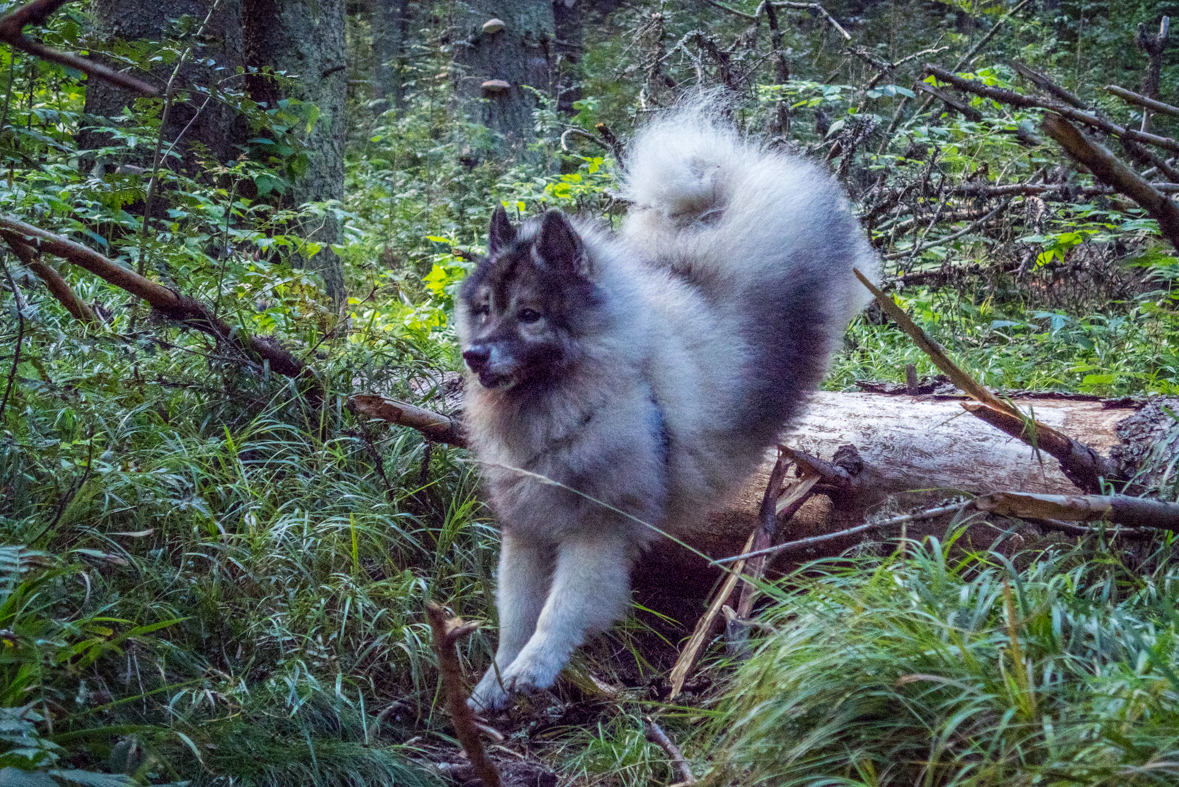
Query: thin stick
column 446, row 634
column 804, row 543
column 656, row 735
column 1005, row 96
column 691, row 652
column 918, row 247
column 935, row 352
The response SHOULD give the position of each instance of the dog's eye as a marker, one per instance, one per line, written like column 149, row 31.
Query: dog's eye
column 528, row 315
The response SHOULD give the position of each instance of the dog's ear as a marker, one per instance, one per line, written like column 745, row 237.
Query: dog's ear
column 559, row 246
column 502, row 234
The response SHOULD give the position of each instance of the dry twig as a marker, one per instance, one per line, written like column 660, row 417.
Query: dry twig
column 656, row 735
column 446, row 635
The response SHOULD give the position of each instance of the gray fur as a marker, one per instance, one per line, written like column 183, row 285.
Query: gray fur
column 638, row 378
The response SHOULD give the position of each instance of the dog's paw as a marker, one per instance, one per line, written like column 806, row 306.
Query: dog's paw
column 533, row 670
column 488, row 696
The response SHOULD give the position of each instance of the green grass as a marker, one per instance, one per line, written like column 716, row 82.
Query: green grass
column 1131, row 350
column 926, row 669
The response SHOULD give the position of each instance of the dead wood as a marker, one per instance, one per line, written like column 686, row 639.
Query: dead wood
column 656, row 735
column 1080, row 464
column 446, row 634
column 57, row 286
column 1109, row 170
column 1142, row 101
column 1005, row 96
column 1044, row 83
column 436, row 426
column 1120, row 509
column 171, row 304
column 965, row 110
column 1153, row 45
column 934, row 350
column 35, row 13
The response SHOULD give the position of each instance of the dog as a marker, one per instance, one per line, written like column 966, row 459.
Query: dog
column 623, row 385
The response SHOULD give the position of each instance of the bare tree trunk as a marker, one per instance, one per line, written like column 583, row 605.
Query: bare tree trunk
column 217, row 126
column 567, row 24
column 305, row 39
column 503, row 48
column 391, row 24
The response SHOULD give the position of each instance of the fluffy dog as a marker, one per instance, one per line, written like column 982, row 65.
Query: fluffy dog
column 625, row 385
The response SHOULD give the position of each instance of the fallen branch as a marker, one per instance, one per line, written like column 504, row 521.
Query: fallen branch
column 917, row 247
column 935, row 352
column 768, row 527
column 656, row 735
column 1118, row 509
column 1080, row 464
column 436, row 426
column 1108, row 169
column 965, row 110
column 1143, row 101
column 446, row 635
column 36, row 12
column 171, row 304
column 1005, row 96
column 1044, row 83
column 57, row 286
column 806, row 543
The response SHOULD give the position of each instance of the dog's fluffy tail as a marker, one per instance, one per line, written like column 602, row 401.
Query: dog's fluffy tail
column 768, row 236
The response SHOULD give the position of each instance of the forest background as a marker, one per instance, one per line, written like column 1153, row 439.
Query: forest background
column 214, row 571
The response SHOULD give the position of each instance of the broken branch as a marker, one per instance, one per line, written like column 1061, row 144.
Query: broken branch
column 1109, row 170
column 1142, row 101
column 446, row 635
column 1004, row 96
column 436, row 426
column 1080, row 464
column 57, row 286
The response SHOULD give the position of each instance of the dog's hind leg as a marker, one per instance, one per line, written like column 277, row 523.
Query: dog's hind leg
column 591, row 589
column 525, row 573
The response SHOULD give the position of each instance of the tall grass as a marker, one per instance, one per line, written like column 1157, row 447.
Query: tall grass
column 923, row 669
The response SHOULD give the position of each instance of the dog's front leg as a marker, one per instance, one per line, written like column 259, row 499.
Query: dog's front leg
column 525, row 572
column 591, row 589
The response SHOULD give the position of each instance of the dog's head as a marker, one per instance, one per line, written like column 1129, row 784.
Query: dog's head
column 524, row 308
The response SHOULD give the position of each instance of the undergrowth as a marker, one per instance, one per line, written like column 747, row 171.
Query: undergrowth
column 934, row 667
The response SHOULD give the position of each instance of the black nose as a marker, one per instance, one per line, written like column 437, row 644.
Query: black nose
column 477, row 357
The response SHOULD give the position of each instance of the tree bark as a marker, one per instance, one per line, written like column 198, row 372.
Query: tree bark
column 497, row 66
column 916, row 452
column 305, row 39
column 217, row 126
